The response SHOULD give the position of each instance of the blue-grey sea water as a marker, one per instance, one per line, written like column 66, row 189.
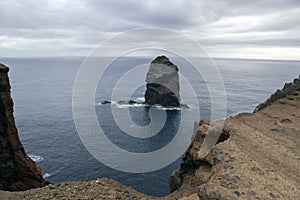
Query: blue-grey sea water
column 42, row 93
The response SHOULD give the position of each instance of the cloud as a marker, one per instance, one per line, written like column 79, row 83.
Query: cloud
column 74, row 27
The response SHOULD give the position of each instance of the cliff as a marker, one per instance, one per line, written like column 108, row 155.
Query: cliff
column 17, row 170
column 287, row 89
column 162, row 83
column 256, row 157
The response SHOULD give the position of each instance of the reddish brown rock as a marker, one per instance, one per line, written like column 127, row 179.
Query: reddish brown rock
column 17, row 170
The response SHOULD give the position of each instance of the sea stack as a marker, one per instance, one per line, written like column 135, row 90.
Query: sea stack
column 162, row 83
column 17, row 170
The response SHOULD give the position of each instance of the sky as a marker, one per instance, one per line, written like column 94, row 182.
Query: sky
column 259, row 29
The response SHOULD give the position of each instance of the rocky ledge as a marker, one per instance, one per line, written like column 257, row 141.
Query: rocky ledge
column 256, row 157
column 287, row 89
column 17, row 170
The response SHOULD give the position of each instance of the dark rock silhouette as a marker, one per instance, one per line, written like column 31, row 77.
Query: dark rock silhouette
column 128, row 102
column 105, row 102
column 162, row 83
column 17, row 170
column 287, row 89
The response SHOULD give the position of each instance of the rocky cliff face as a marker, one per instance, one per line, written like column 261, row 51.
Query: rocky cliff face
column 286, row 90
column 162, row 83
column 17, row 170
column 256, row 157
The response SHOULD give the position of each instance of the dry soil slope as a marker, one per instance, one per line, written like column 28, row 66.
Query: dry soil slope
column 259, row 160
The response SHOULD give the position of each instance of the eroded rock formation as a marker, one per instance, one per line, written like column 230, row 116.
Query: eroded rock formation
column 257, row 156
column 162, row 83
column 17, row 170
column 286, row 90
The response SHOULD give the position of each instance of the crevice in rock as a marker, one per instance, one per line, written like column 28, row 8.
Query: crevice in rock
column 224, row 136
column 191, row 163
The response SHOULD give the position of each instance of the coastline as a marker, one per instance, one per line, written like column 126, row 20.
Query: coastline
column 257, row 159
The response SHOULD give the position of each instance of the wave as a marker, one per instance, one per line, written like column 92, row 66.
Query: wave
column 140, row 99
column 139, row 102
column 36, row 158
column 129, row 105
column 46, row 175
column 166, row 108
column 122, row 104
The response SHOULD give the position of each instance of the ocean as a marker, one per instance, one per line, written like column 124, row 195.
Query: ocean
column 42, row 92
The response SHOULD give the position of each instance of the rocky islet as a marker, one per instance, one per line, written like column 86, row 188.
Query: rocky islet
column 162, row 83
column 256, row 157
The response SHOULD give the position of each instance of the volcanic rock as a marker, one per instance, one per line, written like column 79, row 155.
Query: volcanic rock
column 17, row 170
column 162, row 83
column 287, row 89
column 256, row 157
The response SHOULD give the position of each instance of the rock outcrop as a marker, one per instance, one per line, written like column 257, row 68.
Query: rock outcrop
column 17, row 170
column 287, row 89
column 162, row 83
column 256, row 157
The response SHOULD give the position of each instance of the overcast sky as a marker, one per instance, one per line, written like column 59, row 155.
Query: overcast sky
column 267, row 29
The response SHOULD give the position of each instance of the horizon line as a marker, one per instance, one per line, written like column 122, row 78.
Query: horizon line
column 213, row 58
